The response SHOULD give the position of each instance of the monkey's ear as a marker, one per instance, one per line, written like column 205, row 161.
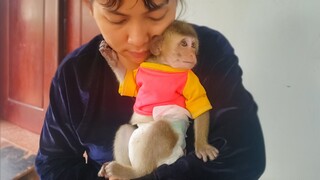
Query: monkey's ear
column 155, row 47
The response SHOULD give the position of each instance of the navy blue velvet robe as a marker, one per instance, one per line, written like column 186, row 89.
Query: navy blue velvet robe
column 86, row 110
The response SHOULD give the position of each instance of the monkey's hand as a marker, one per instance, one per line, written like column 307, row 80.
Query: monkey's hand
column 113, row 171
column 109, row 54
column 112, row 59
column 205, row 151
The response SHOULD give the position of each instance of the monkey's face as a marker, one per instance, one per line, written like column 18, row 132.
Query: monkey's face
column 180, row 51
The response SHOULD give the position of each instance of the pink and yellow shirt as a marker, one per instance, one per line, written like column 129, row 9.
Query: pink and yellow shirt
column 156, row 84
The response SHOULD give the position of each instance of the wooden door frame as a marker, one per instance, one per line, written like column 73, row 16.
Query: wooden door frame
column 25, row 115
column 67, row 25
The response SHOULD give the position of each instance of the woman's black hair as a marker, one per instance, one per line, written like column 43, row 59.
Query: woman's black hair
column 149, row 4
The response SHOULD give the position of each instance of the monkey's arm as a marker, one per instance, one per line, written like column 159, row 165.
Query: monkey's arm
column 112, row 59
column 126, row 78
column 201, row 130
column 198, row 104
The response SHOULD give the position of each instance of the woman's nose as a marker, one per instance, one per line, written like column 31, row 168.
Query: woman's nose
column 138, row 35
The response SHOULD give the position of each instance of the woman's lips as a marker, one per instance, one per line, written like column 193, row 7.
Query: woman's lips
column 139, row 55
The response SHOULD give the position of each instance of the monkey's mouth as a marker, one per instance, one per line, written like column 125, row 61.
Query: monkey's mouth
column 188, row 62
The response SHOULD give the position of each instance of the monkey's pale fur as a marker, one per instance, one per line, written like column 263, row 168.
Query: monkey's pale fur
column 138, row 152
column 146, row 154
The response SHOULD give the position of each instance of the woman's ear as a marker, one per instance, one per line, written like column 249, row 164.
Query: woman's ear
column 156, row 43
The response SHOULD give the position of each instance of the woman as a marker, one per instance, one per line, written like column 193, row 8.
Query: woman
column 85, row 109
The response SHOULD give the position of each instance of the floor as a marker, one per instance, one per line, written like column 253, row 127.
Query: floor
column 17, row 149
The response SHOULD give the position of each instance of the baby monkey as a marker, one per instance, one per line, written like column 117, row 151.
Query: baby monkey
column 167, row 93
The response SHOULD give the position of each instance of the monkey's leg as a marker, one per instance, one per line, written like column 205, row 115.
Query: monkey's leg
column 121, row 142
column 149, row 144
column 120, row 151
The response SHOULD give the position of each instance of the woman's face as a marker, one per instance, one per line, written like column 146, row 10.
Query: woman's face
column 129, row 29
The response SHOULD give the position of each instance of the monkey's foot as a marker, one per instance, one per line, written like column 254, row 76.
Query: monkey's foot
column 102, row 172
column 115, row 170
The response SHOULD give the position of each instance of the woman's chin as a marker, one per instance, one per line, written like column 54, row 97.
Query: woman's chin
column 132, row 64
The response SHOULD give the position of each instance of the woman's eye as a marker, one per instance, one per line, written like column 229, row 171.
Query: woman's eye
column 117, row 22
column 157, row 18
column 114, row 18
column 158, row 15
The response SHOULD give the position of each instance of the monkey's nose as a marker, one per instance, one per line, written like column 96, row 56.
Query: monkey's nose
column 192, row 55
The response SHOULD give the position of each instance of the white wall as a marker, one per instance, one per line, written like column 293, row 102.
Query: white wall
column 278, row 44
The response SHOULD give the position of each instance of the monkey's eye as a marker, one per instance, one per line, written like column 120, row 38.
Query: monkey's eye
column 193, row 45
column 184, row 43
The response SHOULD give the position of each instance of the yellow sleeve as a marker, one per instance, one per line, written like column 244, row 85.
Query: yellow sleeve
column 197, row 101
column 128, row 87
